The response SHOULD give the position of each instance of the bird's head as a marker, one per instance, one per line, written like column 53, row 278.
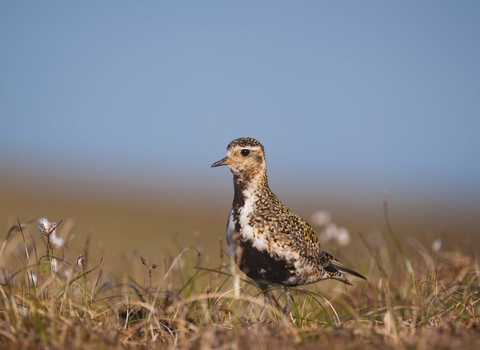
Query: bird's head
column 245, row 158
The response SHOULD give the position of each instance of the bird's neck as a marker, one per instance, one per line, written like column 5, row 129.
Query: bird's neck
column 248, row 185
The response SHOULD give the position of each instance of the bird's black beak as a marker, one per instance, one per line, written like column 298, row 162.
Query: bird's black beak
column 224, row 161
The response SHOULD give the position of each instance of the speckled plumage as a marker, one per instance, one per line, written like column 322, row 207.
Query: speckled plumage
column 270, row 243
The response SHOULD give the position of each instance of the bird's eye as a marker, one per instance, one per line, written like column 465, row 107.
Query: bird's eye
column 245, row 152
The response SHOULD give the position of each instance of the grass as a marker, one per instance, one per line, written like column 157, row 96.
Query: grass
column 416, row 297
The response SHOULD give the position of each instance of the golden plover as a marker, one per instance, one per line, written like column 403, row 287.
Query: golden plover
column 270, row 243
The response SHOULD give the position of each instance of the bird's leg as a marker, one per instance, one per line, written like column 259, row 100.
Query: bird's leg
column 268, row 296
column 287, row 310
column 288, row 305
column 266, row 302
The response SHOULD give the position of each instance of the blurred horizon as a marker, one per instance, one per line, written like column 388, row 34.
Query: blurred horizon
column 152, row 221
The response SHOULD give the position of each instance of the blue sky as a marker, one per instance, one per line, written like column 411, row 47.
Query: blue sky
column 375, row 95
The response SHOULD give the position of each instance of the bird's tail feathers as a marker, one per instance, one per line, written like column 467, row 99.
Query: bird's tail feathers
column 342, row 268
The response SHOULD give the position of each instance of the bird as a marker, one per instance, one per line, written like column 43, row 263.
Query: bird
column 270, row 243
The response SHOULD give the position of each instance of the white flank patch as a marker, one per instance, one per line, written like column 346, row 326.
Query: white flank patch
column 259, row 243
column 231, row 226
column 233, row 239
column 287, row 255
column 247, row 232
column 246, row 212
column 304, row 273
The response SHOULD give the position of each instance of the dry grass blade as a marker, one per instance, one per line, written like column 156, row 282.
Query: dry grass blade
column 423, row 303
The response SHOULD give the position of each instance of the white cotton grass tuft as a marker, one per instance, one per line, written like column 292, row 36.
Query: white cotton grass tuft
column 33, row 278
column 436, row 245
column 81, row 262
column 49, row 229
column 320, row 218
column 338, row 234
column 330, row 231
column 342, row 237
column 44, row 226
column 54, row 263
column 56, row 242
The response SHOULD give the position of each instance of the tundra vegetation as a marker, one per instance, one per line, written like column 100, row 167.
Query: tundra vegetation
column 417, row 296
